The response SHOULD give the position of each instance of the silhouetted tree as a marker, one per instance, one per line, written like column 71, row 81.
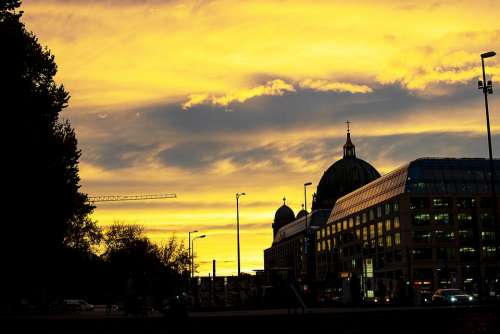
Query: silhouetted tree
column 47, row 211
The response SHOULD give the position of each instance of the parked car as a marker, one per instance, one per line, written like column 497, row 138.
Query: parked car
column 451, row 297
column 77, row 305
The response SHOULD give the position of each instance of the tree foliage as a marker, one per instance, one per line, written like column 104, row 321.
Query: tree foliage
column 47, row 210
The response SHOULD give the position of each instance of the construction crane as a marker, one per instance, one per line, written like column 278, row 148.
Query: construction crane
column 117, row 198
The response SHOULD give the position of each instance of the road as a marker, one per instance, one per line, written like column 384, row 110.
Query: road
column 409, row 320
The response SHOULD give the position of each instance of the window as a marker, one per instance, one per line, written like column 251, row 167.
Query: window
column 464, row 220
column 442, row 219
column 421, row 219
column 318, row 246
column 486, row 220
column 334, row 230
column 323, row 232
column 421, row 236
column 466, row 235
column 396, row 222
column 364, row 219
column 445, row 253
column 387, row 225
column 381, row 242
column 487, row 236
column 358, row 234
column 328, row 231
column 388, row 240
column 380, row 227
column 387, row 209
column 344, row 225
column 351, row 222
column 395, row 206
column 379, row 211
column 467, row 252
column 339, row 227
column 372, row 214
column 397, row 238
column 422, row 253
column 358, row 220
column 488, row 251
column 372, row 231
column 318, row 234
column 323, row 245
column 329, row 244
column 418, row 203
column 440, row 202
column 442, row 235
column 466, row 203
column 365, row 234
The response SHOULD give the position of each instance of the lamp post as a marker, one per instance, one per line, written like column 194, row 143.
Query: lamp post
column 238, row 228
column 189, row 253
column 192, row 249
column 305, row 230
column 487, row 88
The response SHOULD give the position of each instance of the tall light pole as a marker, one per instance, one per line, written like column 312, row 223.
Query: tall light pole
column 487, row 88
column 238, row 228
column 189, row 253
column 192, row 249
column 305, row 230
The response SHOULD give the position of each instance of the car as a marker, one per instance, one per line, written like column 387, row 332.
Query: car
column 77, row 305
column 451, row 297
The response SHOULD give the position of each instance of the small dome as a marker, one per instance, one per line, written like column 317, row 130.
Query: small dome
column 302, row 213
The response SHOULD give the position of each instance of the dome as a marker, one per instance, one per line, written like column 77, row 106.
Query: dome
column 283, row 216
column 301, row 213
column 343, row 177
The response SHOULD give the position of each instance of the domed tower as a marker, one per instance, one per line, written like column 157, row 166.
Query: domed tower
column 283, row 216
column 344, row 176
column 301, row 213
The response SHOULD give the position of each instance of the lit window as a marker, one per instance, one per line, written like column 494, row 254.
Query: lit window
column 464, row 219
column 487, row 236
column 323, row 232
column 440, row 202
column 442, row 218
column 365, row 234
column 339, row 227
column 381, row 242
column 358, row 220
column 351, row 222
column 397, row 238
column 329, row 243
column 372, row 231
column 396, row 206
column 328, row 230
column 421, row 219
column 387, row 225
column 365, row 218
column 358, row 234
column 372, row 214
column 344, row 225
column 323, row 245
column 334, row 230
column 318, row 234
column 318, row 246
column 388, row 240
column 380, row 227
column 488, row 251
column 396, row 222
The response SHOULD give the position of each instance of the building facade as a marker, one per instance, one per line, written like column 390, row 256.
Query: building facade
column 428, row 224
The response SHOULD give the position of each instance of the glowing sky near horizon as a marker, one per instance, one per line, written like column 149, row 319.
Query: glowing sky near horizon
column 209, row 98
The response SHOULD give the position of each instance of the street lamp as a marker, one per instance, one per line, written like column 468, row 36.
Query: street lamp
column 487, row 88
column 238, row 227
column 192, row 249
column 189, row 253
column 305, row 230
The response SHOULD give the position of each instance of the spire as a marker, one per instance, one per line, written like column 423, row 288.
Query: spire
column 349, row 148
column 284, row 200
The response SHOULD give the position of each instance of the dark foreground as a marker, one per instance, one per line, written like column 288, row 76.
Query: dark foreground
column 471, row 319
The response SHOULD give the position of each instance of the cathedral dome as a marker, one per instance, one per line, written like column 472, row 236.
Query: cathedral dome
column 301, row 213
column 283, row 216
column 343, row 177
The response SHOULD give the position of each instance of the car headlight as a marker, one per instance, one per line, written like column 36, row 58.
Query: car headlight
column 471, row 298
column 453, row 299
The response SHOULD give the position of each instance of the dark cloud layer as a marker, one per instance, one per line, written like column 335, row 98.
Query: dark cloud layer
column 199, row 137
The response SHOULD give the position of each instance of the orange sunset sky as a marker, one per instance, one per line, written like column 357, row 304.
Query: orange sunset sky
column 208, row 98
